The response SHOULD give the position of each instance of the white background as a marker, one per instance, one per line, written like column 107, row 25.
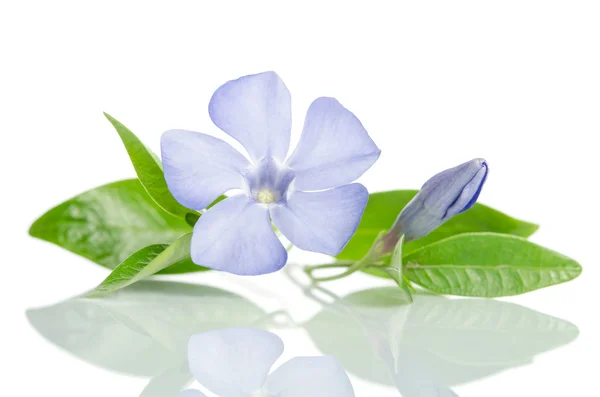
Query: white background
column 435, row 83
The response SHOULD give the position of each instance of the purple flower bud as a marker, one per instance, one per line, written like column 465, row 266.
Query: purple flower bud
column 446, row 194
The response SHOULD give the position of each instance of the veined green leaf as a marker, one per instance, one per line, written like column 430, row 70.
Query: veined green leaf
column 144, row 263
column 183, row 266
column 383, row 208
column 149, row 170
column 111, row 222
column 129, row 269
column 487, row 265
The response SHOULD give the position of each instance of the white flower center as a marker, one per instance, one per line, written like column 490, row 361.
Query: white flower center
column 265, row 196
column 268, row 181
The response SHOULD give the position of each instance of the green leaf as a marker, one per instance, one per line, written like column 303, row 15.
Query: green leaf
column 149, row 170
column 217, row 201
column 129, row 269
column 111, row 222
column 487, row 265
column 192, row 217
column 396, row 271
column 383, row 208
column 144, row 263
column 184, row 266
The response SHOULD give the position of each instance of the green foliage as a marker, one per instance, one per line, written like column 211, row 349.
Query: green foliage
column 109, row 223
column 487, row 265
column 396, row 271
column 137, row 228
column 149, row 170
column 144, row 263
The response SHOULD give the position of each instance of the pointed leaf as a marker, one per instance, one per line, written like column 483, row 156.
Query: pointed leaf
column 144, row 263
column 109, row 223
column 149, row 170
column 487, row 265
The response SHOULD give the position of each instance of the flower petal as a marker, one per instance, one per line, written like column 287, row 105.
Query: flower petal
column 257, row 111
column 236, row 236
column 198, row 167
column 322, row 221
column 471, row 191
column 310, row 376
column 191, row 393
column 233, row 362
column 334, row 148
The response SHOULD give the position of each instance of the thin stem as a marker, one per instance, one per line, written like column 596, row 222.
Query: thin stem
column 338, row 264
column 370, row 259
column 353, row 267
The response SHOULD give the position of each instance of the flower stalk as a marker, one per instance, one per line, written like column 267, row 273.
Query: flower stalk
column 371, row 259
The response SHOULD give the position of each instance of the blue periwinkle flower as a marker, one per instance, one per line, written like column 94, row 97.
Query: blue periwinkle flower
column 446, row 194
column 308, row 196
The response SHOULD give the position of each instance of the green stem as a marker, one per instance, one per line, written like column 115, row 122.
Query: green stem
column 352, row 267
column 370, row 259
column 338, row 264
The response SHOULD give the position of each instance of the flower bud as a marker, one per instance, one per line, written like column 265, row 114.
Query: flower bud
column 446, row 194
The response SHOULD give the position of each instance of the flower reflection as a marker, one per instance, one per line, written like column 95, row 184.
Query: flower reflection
column 425, row 348
column 144, row 330
column 236, row 362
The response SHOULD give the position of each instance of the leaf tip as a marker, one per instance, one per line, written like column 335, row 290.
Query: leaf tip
column 533, row 227
column 576, row 269
column 34, row 229
column 31, row 230
column 115, row 123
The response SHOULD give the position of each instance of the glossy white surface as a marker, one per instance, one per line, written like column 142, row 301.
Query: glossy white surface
column 435, row 84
